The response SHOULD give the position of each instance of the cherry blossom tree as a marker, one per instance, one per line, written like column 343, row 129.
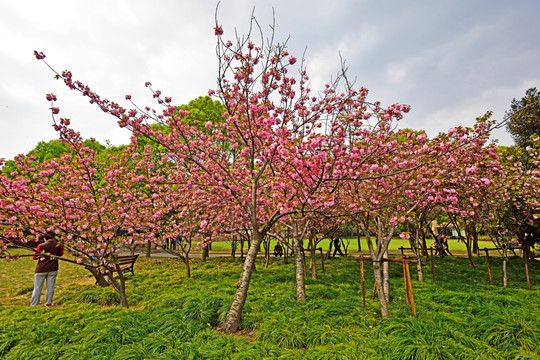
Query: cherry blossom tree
column 88, row 201
column 514, row 202
column 466, row 178
column 277, row 161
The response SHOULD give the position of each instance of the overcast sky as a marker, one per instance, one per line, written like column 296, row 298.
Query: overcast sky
column 451, row 60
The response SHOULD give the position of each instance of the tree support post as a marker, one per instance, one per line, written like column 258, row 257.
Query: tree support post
column 304, row 260
column 362, row 282
column 526, row 257
column 405, row 281
column 405, row 261
column 322, row 261
column 408, row 284
column 489, row 266
column 432, row 265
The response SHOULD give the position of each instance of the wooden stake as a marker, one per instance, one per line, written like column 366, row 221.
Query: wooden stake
column 304, row 261
column 489, row 267
column 410, row 288
column 362, row 281
column 526, row 257
column 405, row 281
column 405, row 261
column 432, row 266
column 322, row 261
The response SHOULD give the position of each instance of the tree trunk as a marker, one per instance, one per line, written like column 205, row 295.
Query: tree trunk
column 299, row 265
column 469, row 252
column 386, row 277
column 380, row 291
column 100, row 279
column 205, row 253
column 242, row 248
column 475, row 247
column 423, row 243
column 415, row 246
column 345, row 246
column 377, row 256
column 188, row 267
column 419, row 266
column 123, row 297
column 234, row 245
column 148, row 249
column 266, row 253
column 119, row 285
column 329, row 252
column 505, row 274
column 358, row 238
column 313, row 252
column 232, row 321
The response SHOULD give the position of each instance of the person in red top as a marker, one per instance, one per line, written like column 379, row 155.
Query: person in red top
column 46, row 269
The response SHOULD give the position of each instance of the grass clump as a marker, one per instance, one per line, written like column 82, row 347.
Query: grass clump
column 461, row 316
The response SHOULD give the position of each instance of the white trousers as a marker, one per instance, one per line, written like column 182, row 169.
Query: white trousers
column 39, row 281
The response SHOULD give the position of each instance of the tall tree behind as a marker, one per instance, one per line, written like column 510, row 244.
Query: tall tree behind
column 524, row 118
column 53, row 149
column 524, row 125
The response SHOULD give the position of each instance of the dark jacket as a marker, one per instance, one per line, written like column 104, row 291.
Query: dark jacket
column 46, row 264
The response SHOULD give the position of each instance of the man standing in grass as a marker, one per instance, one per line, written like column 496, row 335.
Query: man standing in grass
column 46, row 269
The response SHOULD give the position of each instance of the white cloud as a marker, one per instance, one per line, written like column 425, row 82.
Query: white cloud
column 496, row 99
column 451, row 61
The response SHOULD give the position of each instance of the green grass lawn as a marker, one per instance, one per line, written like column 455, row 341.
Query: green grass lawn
column 461, row 316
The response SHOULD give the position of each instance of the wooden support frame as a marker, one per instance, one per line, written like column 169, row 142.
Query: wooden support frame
column 405, row 261
column 304, row 259
column 525, row 259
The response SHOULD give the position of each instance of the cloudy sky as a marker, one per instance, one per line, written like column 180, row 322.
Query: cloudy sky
column 451, row 60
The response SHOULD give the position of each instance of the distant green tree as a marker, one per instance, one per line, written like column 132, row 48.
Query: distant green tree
column 201, row 111
column 53, row 149
column 44, row 150
column 509, row 154
column 524, row 118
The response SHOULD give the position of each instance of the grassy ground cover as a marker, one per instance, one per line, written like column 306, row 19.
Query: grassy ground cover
column 461, row 316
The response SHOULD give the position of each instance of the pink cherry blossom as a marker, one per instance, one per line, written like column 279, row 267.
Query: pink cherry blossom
column 39, row 55
column 218, row 31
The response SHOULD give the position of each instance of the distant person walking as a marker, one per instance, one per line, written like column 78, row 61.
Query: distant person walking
column 337, row 247
column 46, row 269
column 445, row 246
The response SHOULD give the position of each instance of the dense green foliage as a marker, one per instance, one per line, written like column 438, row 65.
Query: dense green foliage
column 202, row 110
column 53, row 149
column 173, row 317
column 524, row 118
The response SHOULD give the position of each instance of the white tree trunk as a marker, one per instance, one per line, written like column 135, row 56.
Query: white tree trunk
column 232, row 322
